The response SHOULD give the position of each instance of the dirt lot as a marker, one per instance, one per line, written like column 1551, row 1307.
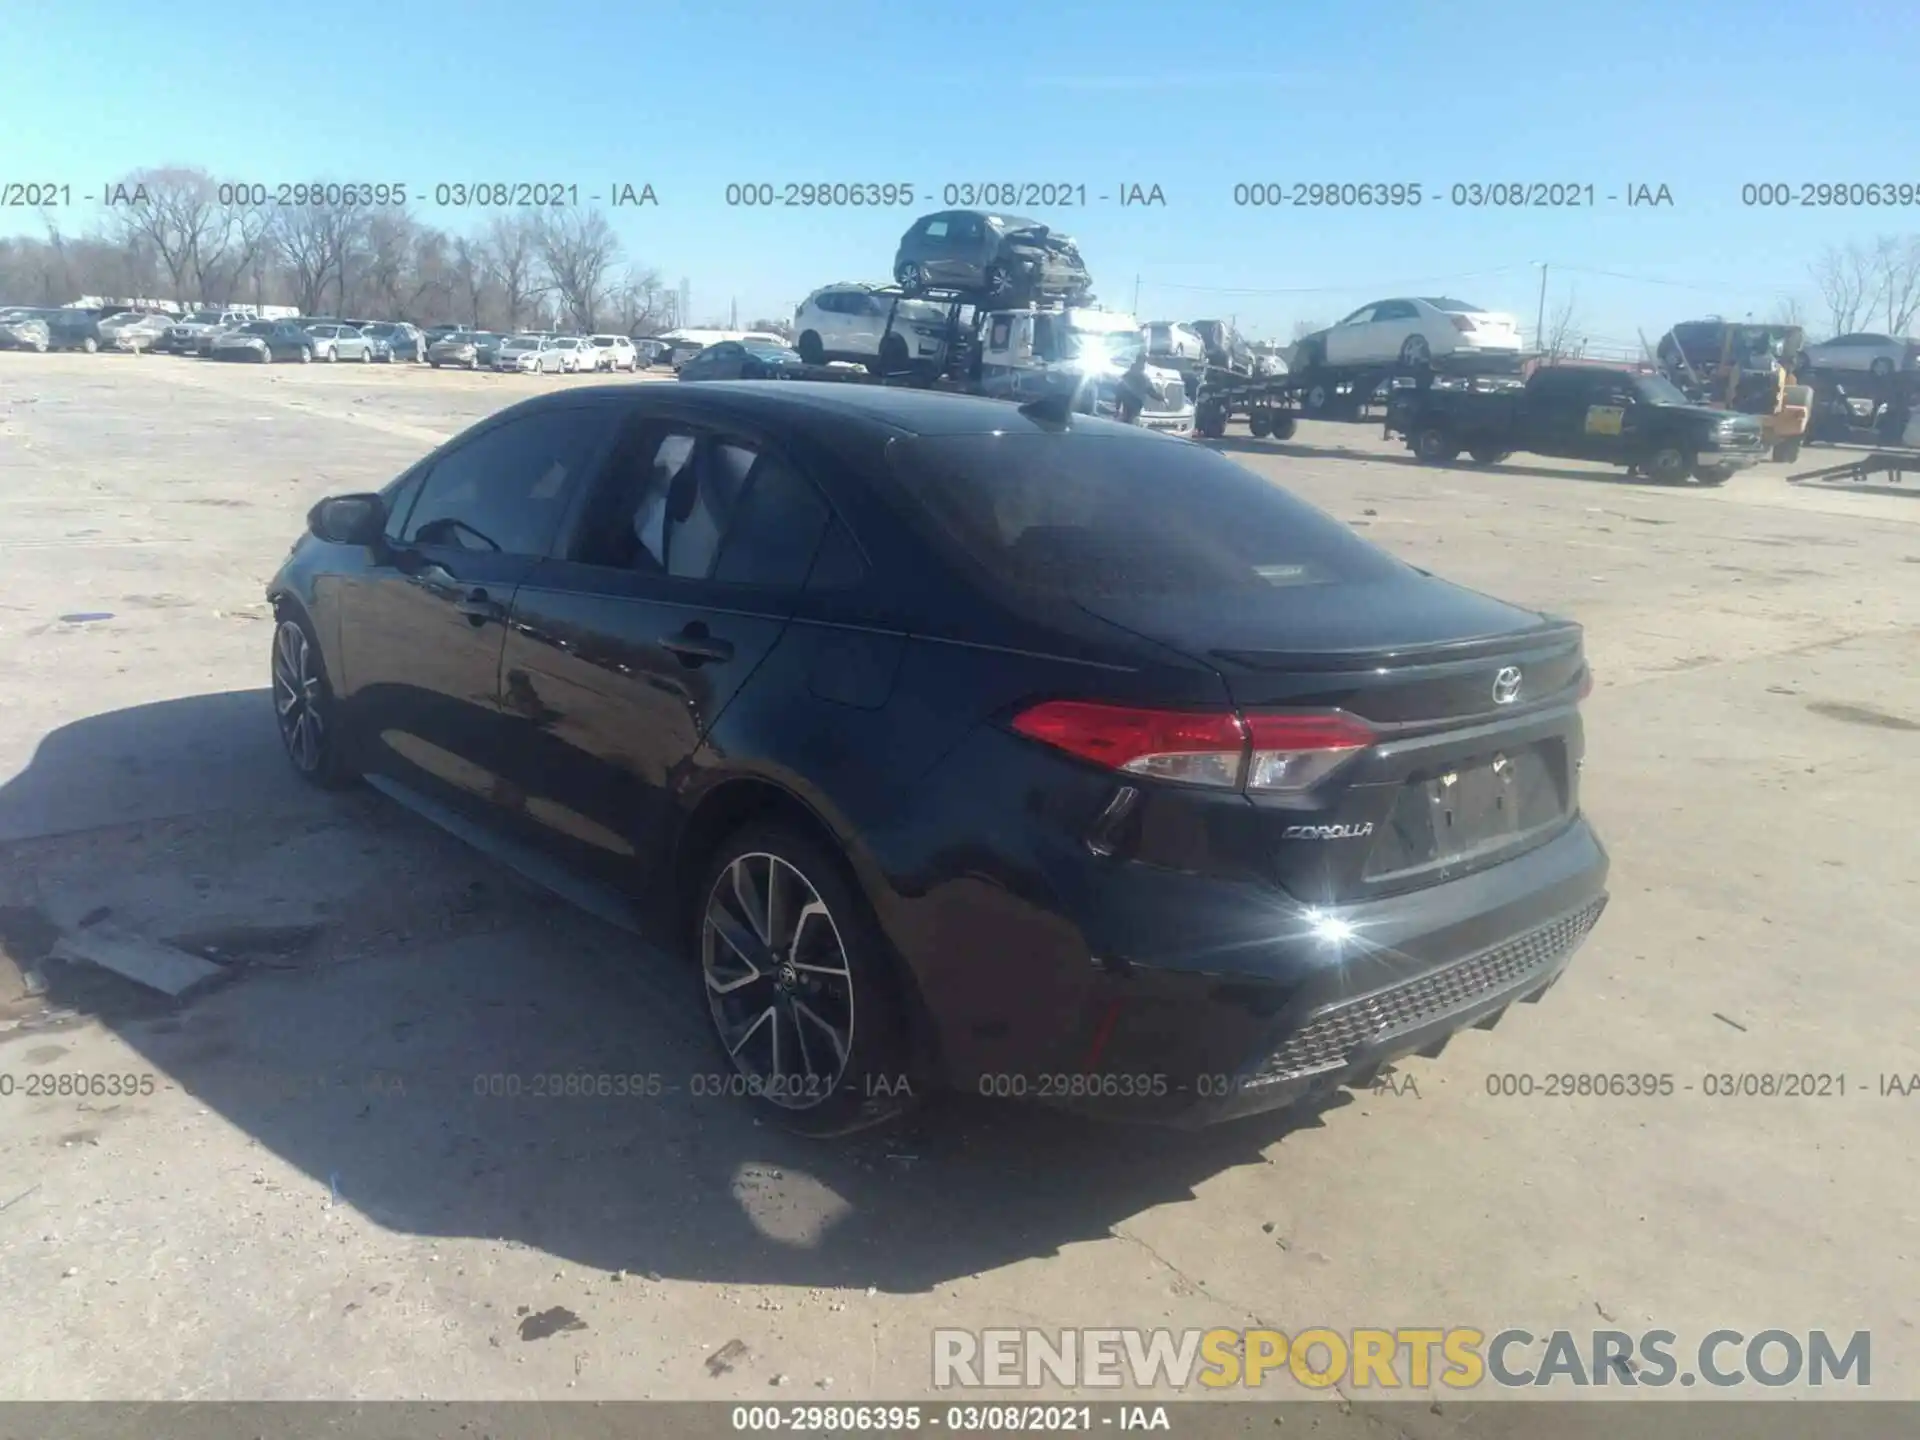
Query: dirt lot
column 318, row 1198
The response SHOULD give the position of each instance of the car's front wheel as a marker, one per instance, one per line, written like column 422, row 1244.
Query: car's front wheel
column 1436, row 445
column 1414, row 351
column 303, row 705
column 1712, row 474
column 811, row 349
column 802, row 989
column 1882, row 367
column 1668, row 466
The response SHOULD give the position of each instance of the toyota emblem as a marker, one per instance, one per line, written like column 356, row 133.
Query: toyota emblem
column 1506, row 685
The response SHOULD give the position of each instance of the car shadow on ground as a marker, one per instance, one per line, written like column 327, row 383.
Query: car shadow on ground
column 1247, row 445
column 537, row 1079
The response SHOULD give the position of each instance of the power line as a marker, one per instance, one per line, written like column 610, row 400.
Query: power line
column 1332, row 289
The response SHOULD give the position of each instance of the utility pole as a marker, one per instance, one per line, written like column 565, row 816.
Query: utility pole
column 1136, row 297
column 1540, row 325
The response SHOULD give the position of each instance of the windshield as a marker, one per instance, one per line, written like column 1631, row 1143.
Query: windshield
column 604, row 341
column 1085, row 516
column 1657, row 390
column 1454, row 307
column 1115, row 348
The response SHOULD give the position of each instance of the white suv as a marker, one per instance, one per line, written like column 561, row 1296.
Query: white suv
column 616, row 352
column 847, row 321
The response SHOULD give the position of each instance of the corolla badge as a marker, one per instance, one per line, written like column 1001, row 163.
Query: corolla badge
column 1506, row 685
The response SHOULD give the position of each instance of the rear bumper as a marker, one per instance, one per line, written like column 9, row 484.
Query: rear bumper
column 1144, row 994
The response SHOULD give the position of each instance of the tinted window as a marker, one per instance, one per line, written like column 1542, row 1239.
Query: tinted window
column 504, row 490
column 1394, row 310
column 838, row 565
column 1086, row 515
column 699, row 514
column 934, row 230
column 776, row 527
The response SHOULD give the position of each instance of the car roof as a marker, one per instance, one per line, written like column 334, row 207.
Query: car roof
column 898, row 409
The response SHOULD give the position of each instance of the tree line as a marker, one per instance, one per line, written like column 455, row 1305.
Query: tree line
column 185, row 238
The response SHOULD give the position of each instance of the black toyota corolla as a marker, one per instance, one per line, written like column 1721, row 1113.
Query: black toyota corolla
column 958, row 744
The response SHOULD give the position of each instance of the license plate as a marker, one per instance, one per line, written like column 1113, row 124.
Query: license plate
column 1475, row 809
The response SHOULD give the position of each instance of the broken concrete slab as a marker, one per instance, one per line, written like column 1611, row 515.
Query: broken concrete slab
column 152, row 963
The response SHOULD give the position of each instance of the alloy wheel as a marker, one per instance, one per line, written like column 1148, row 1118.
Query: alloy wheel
column 297, row 697
column 778, row 981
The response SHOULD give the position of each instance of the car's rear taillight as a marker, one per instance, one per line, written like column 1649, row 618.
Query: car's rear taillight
column 1461, row 322
column 1270, row 754
column 1291, row 753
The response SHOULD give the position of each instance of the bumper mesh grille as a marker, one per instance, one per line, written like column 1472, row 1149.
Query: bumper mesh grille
column 1328, row 1038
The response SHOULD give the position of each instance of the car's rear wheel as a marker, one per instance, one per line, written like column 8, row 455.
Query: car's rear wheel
column 1283, row 426
column 802, row 989
column 303, row 705
column 999, row 282
column 366, row 354
column 1414, row 351
column 1712, row 474
column 912, row 277
column 266, row 355
column 810, row 348
column 1436, row 445
column 89, row 345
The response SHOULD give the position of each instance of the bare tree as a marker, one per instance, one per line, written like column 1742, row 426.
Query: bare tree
column 1563, row 325
column 1787, row 310
column 1846, row 282
column 181, row 222
column 512, row 250
column 315, row 241
column 578, row 248
column 1896, row 282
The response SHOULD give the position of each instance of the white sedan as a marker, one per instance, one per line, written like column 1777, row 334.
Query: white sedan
column 1410, row 332
column 576, row 354
column 537, row 354
column 1876, row 354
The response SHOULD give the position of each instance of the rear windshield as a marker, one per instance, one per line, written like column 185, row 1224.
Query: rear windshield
column 1086, row 516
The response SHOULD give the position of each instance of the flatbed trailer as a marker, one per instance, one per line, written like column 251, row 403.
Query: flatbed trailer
column 1882, row 466
column 1274, row 404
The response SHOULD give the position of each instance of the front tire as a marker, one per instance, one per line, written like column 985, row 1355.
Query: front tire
column 913, row 278
column 1881, row 367
column 303, row 706
column 1668, row 467
column 802, row 989
column 811, row 350
column 1712, row 474
column 366, row 355
column 1435, row 445
column 1487, row 455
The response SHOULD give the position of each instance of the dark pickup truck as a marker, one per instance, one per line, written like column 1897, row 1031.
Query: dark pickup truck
column 1582, row 412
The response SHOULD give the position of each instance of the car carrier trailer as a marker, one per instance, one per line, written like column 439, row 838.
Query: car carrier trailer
column 1274, row 404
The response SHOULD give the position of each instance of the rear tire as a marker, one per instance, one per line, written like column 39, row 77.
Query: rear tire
column 1787, row 451
column 1260, row 424
column 1712, row 474
column 805, row 996
column 89, row 345
column 1283, row 426
column 1435, row 445
column 1210, row 421
column 893, row 355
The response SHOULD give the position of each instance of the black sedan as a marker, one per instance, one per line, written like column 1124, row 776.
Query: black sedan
column 959, row 744
column 742, row 360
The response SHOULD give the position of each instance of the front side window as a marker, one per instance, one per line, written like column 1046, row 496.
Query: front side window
column 504, row 492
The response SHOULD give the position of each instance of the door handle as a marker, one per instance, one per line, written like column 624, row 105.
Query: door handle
column 479, row 607
column 694, row 646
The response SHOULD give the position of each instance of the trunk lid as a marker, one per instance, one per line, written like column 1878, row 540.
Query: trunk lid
column 1472, row 701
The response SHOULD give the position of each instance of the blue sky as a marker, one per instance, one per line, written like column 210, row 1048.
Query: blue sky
column 1194, row 97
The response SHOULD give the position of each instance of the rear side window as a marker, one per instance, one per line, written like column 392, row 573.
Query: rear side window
column 776, row 528
column 1080, row 516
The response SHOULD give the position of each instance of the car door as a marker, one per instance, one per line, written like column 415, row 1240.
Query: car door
column 421, row 632
column 1607, row 419
column 288, row 342
column 677, row 580
column 1389, row 326
column 1347, row 343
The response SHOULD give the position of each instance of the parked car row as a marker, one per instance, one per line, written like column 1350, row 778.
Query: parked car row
column 235, row 334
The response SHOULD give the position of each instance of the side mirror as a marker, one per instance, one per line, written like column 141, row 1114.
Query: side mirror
column 349, row 520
